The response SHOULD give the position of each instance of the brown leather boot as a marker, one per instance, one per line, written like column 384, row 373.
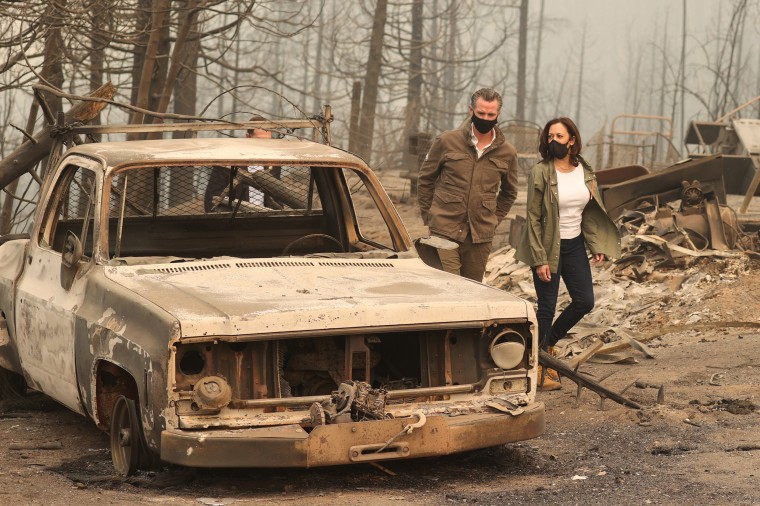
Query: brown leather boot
column 546, row 382
column 551, row 373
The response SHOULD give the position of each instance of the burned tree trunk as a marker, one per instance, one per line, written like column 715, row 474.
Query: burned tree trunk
column 414, row 83
column 371, row 81
column 26, row 156
column 522, row 52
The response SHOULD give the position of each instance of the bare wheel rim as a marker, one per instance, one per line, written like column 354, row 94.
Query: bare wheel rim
column 125, row 437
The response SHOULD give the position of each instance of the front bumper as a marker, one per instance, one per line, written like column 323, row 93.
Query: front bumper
column 346, row 443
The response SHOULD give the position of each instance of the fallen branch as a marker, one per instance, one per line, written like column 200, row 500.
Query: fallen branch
column 583, row 380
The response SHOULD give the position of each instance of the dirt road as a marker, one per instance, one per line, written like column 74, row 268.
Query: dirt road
column 701, row 446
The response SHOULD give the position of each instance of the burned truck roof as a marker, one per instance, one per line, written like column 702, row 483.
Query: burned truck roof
column 217, row 151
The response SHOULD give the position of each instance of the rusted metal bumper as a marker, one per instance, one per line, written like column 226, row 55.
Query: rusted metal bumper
column 347, row 443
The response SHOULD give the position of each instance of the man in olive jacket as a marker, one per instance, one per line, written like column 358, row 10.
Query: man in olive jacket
column 467, row 184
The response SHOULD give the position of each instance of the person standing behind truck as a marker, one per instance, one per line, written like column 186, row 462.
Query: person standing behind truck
column 467, row 185
column 565, row 214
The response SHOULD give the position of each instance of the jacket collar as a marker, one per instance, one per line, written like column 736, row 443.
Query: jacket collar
column 466, row 131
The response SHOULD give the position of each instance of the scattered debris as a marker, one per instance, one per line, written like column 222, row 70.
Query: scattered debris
column 744, row 448
column 715, row 379
column 644, row 385
column 207, row 501
column 46, row 445
column 589, row 352
column 733, row 406
column 671, row 449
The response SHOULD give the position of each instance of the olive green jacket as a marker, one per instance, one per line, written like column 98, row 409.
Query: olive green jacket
column 539, row 244
column 459, row 193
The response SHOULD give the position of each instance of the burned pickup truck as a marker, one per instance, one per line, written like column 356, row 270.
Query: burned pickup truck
column 230, row 302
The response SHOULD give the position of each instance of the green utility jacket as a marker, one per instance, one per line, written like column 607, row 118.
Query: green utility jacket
column 459, row 193
column 539, row 244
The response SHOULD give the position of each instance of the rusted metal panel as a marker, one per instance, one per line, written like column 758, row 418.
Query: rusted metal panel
column 705, row 133
column 45, row 325
column 344, row 443
column 285, row 446
column 616, row 175
column 12, row 255
column 230, row 151
column 665, row 186
column 341, row 443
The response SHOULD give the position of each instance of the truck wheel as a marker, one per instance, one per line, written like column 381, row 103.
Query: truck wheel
column 12, row 385
column 128, row 449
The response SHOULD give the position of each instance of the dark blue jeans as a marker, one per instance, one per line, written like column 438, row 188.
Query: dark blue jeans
column 575, row 271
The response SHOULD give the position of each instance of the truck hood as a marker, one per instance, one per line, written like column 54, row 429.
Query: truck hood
column 248, row 297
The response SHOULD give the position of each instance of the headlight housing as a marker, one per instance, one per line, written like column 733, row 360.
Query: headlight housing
column 507, row 349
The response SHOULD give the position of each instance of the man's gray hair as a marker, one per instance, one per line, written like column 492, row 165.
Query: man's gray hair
column 487, row 94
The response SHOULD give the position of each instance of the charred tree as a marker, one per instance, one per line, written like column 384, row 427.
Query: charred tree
column 414, row 84
column 537, row 68
column 522, row 52
column 371, row 81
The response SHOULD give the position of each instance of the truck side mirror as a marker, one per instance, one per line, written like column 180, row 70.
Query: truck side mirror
column 72, row 254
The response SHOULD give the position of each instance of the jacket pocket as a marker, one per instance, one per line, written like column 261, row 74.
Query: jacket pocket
column 447, row 197
column 491, row 175
column 456, row 170
column 490, row 204
column 447, row 212
column 500, row 164
column 453, row 155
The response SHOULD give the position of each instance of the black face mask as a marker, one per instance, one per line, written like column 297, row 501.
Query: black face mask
column 557, row 150
column 483, row 125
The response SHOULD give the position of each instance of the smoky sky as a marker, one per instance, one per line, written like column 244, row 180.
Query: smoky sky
column 625, row 43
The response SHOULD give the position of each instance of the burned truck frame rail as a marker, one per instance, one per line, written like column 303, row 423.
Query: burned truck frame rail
column 254, row 302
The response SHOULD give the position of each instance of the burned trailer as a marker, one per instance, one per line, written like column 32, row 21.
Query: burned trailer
column 738, row 140
column 224, row 302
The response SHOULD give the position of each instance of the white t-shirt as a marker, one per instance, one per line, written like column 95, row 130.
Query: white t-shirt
column 573, row 195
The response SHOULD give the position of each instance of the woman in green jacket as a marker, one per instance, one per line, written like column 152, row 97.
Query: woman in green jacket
column 565, row 216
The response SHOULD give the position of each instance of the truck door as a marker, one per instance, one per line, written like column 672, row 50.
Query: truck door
column 46, row 304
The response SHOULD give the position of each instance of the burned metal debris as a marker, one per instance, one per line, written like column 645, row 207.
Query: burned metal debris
column 677, row 233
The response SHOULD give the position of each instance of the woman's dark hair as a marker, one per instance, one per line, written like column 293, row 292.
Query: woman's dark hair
column 572, row 130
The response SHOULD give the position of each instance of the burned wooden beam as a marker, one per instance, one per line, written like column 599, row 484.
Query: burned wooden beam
column 267, row 183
